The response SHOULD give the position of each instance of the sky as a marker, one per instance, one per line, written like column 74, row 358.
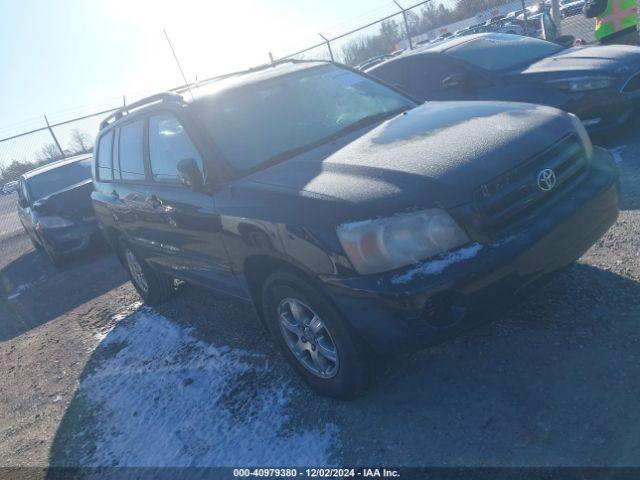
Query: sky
column 66, row 58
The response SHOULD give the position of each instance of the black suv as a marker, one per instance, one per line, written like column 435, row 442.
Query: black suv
column 355, row 220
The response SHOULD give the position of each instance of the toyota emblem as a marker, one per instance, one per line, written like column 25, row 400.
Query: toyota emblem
column 546, row 179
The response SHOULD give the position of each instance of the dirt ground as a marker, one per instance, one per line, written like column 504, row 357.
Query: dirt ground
column 554, row 382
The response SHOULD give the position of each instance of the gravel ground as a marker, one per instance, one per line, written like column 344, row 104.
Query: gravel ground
column 553, row 382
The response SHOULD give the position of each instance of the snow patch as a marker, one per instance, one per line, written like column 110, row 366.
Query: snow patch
column 102, row 332
column 163, row 398
column 617, row 153
column 18, row 291
column 435, row 267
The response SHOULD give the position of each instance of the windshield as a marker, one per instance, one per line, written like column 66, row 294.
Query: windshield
column 56, row 179
column 503, row 51
column 256, row 123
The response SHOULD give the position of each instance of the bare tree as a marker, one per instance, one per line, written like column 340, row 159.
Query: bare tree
column 49, row 153
column 80, row 142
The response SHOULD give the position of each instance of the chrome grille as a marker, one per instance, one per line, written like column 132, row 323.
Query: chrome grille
column 510, row 198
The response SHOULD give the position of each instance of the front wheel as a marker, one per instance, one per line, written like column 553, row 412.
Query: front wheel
column 152, row 286
column 314, row 338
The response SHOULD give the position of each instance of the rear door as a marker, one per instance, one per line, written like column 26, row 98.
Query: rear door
column 186, row 227
column 129, row 186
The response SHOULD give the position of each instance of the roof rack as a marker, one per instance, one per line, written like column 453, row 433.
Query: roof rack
column 160, row 97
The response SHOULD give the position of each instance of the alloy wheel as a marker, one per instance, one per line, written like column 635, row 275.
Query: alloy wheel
column 308, row 338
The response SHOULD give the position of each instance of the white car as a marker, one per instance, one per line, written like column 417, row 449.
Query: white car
column 569, row 8
column 10, row 187
column 506, row 27
column 533, row 12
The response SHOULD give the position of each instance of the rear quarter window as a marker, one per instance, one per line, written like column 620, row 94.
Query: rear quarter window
column 105, row 165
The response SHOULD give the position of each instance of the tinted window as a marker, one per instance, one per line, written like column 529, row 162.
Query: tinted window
column 261, row 121
column 394, row 72
column 427, row 74
column 168, row 144
column 130, row 153
column 105, row 168
column 503, row 51
column 56, row 179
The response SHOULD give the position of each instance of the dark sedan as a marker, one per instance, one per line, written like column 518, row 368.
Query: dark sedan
column 54, row 206
column 601, row 85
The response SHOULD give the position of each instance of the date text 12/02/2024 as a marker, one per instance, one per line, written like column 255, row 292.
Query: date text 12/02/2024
column 317, row 472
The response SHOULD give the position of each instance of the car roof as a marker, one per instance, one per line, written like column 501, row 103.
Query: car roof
column 443, row 46
column 54, row 165
column 437, row 48
column 454, row 42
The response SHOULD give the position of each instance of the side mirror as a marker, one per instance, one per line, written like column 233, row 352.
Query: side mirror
column 189, row 174
column 457, row 80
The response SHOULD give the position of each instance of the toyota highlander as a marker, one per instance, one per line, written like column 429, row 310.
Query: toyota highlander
column 356, row 221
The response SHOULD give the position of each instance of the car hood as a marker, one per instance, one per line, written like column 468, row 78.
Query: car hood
column 618, row 60
column 433, row 155
column 72, row 202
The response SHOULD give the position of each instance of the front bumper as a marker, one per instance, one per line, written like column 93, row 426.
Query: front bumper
column 390, row 313
column 72, row 239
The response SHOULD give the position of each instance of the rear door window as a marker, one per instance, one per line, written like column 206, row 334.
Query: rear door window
column 168, row 144
column 426, row 74
column 131, row 151
column 394, row 72
column 105, row 166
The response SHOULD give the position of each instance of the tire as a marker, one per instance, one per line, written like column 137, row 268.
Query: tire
column 154, row 287
column 285, row 293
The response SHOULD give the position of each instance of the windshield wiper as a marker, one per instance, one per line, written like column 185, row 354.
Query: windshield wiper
column 352, row 127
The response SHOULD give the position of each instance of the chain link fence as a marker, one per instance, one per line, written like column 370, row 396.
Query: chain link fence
column 395, row 28
column 23, row 152
column 424, row 22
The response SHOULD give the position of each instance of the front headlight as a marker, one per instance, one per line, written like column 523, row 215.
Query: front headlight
column 52, row 222
column 582, row 133
column 386, row 244
column 582, row 84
